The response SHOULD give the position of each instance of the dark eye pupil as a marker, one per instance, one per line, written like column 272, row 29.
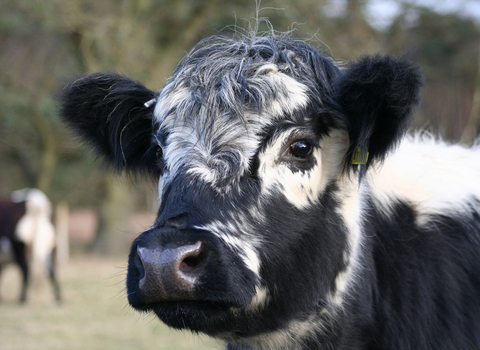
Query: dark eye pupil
column 301, row 149
column 158, row 153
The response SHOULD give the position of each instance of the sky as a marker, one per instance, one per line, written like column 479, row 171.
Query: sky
column 382, row 12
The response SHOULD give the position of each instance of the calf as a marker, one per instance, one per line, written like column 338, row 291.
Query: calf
column 27, row 235
column 286, row 221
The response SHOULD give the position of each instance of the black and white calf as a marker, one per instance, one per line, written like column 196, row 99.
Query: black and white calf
column 27, row 236
column 286, row 221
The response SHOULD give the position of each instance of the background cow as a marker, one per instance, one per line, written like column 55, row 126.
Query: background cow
column 27, row 236
column 285, row 222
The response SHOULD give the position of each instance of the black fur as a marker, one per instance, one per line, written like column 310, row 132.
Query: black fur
column 425, row 283
column 10, row 214
column 107, row 110
column 377, row 95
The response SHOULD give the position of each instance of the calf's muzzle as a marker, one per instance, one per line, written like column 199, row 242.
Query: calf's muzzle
column 171, row 272
column 184, row 269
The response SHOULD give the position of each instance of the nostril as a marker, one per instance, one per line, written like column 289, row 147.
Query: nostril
column 190, row 261
column 194, row 262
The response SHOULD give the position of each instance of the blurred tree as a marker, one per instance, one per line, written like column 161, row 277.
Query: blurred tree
column 447, row 48
column 45, row 41
column 472, row 126
column 31, row 64
column 350, row 34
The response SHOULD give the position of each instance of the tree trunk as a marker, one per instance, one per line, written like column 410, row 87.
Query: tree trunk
column 113, row 235
column 470, row 131
column 49, row 153
column 188, row 36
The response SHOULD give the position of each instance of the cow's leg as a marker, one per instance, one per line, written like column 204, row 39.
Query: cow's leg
column 25, row 278
column 20, row 252
column 53, row 276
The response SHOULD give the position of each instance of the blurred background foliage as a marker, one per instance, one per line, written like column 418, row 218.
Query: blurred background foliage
column 44, row 43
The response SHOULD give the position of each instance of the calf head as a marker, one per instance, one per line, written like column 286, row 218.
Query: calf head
column 259, row 224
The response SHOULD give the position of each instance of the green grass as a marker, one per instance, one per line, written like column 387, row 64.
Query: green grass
column 94, row 315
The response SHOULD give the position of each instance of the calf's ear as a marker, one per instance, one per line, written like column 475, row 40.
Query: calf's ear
column 109, row 112
column 377, row 96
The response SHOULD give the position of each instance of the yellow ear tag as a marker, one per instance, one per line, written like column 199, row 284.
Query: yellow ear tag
column 358, row 158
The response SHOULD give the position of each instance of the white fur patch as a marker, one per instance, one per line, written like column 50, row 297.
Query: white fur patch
column 239, row 235
column 288, row 338
column 292, row 94
column 260, row 298
column 246, row 246
column 334, row 147
column 168, row 100
column 301, row 188
column 432, row 176
column 162, row 184
column 351, row 197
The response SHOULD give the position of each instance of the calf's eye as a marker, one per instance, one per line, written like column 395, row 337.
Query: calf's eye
column 301, row 149
column 159, row 153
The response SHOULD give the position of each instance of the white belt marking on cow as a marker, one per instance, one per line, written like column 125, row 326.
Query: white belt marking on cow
column 429, row 181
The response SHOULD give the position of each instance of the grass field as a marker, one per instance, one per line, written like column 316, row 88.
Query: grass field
column 94, row 314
